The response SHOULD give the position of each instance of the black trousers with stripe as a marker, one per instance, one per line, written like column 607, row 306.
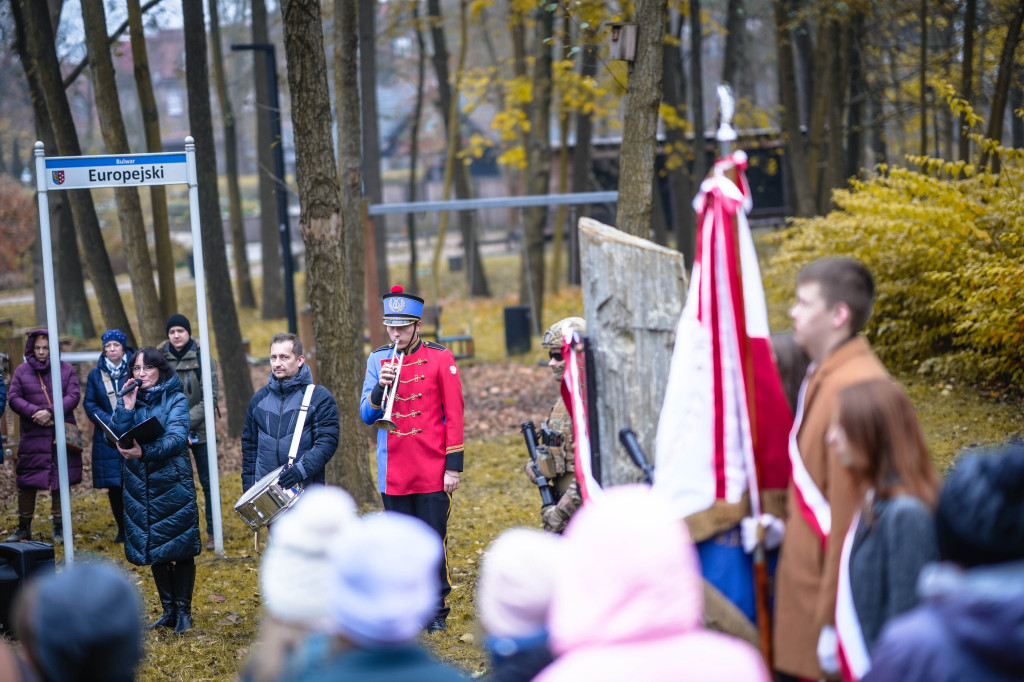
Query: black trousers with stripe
column 433, row 509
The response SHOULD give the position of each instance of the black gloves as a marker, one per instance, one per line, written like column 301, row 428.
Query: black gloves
column 289, row 476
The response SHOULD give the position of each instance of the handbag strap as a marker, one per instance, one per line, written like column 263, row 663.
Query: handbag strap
column 300, row 422
column 111, row 392
column 42, row 384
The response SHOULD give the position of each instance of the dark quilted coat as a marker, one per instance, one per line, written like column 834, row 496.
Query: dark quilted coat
column 37, row 452
column 106, row 460
column 270, row 422
column 161, row 517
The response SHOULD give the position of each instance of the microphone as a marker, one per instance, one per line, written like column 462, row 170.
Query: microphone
column 127, row 388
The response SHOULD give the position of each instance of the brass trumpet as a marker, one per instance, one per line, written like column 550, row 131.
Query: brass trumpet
column 389, row 393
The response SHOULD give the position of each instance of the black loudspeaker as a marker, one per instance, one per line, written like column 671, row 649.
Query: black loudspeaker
column 18, row 562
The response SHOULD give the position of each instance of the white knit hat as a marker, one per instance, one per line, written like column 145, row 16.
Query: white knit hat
column 386, row 579
column 296, row 574
column 516, row 582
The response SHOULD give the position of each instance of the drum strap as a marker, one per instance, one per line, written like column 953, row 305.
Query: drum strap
column 300, row 422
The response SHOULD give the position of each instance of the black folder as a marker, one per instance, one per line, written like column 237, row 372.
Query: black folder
column 146, row 432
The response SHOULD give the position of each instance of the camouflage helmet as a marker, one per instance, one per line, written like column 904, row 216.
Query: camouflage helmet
column 553, row 336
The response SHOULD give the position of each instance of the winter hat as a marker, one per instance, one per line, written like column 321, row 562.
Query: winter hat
column 87, row 624
column 517, row 582
column 116, row 335
column 980, row 517
column 386, row 582
column 296, row 573
column 179, row 320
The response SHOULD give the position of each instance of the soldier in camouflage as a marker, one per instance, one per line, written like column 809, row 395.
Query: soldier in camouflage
column 555, row 454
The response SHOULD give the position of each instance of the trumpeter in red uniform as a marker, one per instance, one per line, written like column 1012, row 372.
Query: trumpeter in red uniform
column 419, row 461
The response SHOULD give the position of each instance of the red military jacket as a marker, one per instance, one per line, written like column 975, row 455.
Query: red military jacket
column 428, row 420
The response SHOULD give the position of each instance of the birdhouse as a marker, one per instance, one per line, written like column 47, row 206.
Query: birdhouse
column 622, row 42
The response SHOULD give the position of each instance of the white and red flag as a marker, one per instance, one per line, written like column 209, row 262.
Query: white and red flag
column 724, row 425
column 575, row 397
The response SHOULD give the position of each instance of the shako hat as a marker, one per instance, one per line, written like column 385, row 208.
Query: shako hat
column 401, row 308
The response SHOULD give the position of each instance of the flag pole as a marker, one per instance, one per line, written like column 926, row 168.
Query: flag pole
column 726, row 136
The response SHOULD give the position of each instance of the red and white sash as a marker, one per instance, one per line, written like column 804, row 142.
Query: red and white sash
column 810, row 501
column 854, row 659
column 572, row 395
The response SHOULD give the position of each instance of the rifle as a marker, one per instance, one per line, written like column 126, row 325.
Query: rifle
column 628, row 439
column 547, row 493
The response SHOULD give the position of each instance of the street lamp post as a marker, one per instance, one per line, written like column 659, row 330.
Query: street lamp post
column 283, row 224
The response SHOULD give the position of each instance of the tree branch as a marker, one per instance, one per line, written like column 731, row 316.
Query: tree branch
column 110, row 41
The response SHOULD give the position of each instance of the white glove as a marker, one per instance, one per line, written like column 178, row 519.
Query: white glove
column 752, row 527
column 828, row 651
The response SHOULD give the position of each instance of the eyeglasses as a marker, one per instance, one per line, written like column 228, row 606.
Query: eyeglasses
column 148, row 368
column 555, row 355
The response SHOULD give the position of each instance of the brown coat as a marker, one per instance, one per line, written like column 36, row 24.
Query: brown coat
column 805, row 596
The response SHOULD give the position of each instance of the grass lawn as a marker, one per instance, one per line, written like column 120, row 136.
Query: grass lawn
column 494, row 494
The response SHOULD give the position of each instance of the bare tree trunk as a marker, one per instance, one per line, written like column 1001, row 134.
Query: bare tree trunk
column 796, row 151
column 816, row 140
column 1016, row 103
column 36, row 34
column 463, row 190
column 531, row 276
column 154, row 143
column 735, row 45
column 640, row 124
column 129, row 208
column 700, row 150
column 679, row 182
column 581, row 153
column 839, row 68
column 231, row 354
column 1002, row 91
column 858, row 93
column 414, row 134
column 879, row 149
column 72, row 305
column 347, row 74
column 270, row 238
column 331, row 245
column 371, row 132
column 246, row 297
column 923, row 74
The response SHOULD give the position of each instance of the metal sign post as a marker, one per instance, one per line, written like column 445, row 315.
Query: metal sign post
column 126, row 170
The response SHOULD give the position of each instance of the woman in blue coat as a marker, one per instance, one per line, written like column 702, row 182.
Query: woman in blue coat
column 105, row 380
column 161, row 515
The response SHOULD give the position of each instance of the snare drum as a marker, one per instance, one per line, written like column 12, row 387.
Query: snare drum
column 264, row 502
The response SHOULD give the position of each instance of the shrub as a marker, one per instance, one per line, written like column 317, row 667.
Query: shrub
column 18, row 217
column 946, row 246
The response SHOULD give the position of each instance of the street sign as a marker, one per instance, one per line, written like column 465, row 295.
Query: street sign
column 127, row 170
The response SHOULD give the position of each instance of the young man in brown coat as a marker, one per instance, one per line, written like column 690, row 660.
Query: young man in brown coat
column 833, row 302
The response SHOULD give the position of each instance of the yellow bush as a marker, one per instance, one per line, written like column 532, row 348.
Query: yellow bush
column 947, row 252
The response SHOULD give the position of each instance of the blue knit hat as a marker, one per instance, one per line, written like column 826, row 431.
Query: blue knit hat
column 115, row 335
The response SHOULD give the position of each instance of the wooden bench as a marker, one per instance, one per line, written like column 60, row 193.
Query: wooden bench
column 460, row 346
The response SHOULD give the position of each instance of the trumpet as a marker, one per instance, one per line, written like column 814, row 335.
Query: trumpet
column 389, row 393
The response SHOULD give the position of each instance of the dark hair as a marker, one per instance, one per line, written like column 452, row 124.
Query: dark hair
column 282, row 337
column 792, row 361
column 843, row 280
column 151, row 356
column 886, row 440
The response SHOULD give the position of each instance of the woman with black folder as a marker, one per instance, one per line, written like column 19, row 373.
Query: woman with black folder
column 161, row 514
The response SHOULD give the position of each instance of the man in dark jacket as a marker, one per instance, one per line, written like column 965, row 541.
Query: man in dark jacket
column 970, row 624
column 183, row 355
column 272, row 415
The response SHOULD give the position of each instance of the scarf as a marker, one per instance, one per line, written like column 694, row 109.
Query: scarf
column 116, row 372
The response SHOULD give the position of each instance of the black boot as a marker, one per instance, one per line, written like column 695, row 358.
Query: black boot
column 24, row 531
column 163, row 574
column 58, row 530
column 184, row 581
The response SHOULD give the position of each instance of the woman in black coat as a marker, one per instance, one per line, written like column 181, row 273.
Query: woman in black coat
column 161, row 514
